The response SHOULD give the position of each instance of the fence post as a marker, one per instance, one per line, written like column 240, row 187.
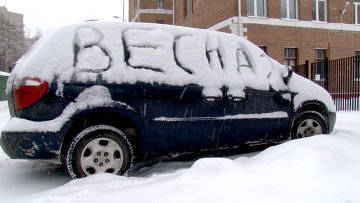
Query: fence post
column 307, row 69
column 326, row 73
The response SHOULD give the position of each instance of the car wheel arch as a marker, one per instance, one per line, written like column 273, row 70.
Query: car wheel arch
column 313, row 105
column 75, row 151
column 126, row 120
column 312, row 108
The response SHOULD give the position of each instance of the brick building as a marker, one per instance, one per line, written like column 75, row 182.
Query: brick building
column 290, row 31
column 14, row 18
column 11, row 37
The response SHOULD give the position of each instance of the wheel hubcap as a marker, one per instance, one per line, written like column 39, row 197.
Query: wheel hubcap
column 309, row 127
column 101, row 155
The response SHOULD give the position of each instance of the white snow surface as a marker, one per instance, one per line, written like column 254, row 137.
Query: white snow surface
column 92, row 58
column 87, row 37
column 322, row 168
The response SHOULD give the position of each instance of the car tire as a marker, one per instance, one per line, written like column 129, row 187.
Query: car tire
column 307, row 124
column 99, row 148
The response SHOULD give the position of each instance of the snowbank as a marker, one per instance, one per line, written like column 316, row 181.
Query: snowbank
column 318, row 169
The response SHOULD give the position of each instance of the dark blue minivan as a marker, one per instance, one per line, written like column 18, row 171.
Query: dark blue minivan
column 100, row 96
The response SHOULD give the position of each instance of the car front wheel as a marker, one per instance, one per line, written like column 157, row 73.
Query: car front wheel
column 99, row 148
column 308, row 124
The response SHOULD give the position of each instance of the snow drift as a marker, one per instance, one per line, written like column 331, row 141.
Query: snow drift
column 318, row 169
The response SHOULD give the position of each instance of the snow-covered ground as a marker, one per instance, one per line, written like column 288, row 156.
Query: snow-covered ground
column 323, row 168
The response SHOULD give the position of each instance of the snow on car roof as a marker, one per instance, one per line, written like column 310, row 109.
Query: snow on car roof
column 132, row 52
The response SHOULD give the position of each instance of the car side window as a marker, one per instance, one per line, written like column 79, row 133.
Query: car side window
column 242, row 59
column 190, row 52
column 89, row 54
column 148, row 49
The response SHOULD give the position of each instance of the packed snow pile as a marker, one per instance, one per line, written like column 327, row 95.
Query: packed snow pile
column 322, row 168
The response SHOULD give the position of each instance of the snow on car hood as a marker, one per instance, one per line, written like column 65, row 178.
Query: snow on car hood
column 139, row 52
column 307, row 90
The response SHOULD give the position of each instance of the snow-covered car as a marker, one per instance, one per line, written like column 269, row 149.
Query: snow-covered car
column 100, row 96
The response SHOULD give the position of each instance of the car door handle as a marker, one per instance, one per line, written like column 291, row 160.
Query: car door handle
column 237, row 99
column 210, row 99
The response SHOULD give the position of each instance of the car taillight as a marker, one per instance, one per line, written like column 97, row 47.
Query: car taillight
column 29, row 92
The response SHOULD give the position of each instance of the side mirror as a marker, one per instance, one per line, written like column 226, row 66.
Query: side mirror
column 287, row 78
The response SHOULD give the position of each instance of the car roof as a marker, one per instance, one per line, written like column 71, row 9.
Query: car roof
column 146, row 52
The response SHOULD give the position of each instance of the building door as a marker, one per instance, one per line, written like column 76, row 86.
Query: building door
column 320, row 64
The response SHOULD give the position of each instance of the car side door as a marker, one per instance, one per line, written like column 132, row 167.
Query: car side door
column 261, row 114
column 181, row 119
column 260, row 117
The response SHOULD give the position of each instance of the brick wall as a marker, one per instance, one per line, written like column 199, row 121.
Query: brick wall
column 180, row 12
column 132, row 9
column 334, row 8
column 152, row 18
column 204, row 16
column 273, row 9
column 304, row 10
column 209, row 12
column 151, row 4
column 334, row 11
column 338, row 44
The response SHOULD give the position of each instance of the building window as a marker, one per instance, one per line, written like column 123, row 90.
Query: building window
column 289, row 9
column 263, row 48
column 256, row 8
column 160, row 21
column 290, row 57
column 160, row 4
column 357, row 12
column 357, row 65
column 319, row 10
column 320, row 64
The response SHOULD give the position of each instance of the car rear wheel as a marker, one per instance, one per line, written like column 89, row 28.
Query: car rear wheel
column 308, row 124
column 99, row 148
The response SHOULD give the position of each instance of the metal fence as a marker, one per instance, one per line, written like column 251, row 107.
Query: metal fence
column 339, row 77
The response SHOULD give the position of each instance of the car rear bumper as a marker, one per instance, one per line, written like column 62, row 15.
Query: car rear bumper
column 332, row 119
column 30, row 144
